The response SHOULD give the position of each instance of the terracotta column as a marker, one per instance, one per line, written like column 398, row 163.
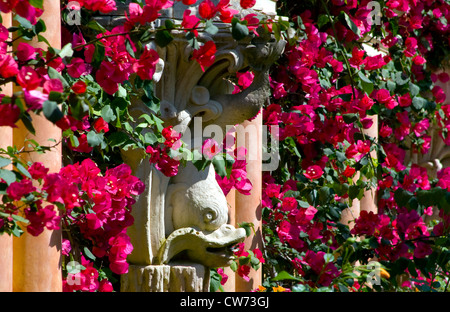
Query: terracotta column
column 6, row 241
column 369, row 201
column 230, row 285
column 37, row 260
column 248, row 207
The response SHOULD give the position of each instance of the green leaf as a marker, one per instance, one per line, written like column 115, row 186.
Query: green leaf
column 26, row 119
column 51, row 111
column 215, row 280
column 239, row 31
column 88, row 253
column 22, row 170
column 150, row 138
column 39, row 4
column 211, row 28
column 94, row 139
column 54, row 74
column 66, row 51
column 350, row 118
column 283, row 275
column 347, row 21
column 322, row 20
column 93, row 24
column 5, row 161
column 118, row 139
column 99, row 55
column 219, row 165
column 19, row 218
column 163, row 38
column 108, row 114
column 8, row 176
column 418, row 102
column 23, row 22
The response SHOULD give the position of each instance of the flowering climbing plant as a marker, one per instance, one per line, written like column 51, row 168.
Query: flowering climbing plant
column 85, row 88
column 348, row 66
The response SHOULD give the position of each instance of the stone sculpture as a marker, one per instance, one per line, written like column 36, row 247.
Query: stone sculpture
column 180, row 228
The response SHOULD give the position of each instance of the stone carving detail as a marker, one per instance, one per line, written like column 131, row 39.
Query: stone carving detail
column 184, row 218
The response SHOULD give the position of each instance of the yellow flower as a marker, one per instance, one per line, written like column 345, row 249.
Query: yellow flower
column 261, row 288
column 278, row 289
column 384, row 273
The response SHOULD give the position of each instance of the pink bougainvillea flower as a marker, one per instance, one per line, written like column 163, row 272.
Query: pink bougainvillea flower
column 313, row 172
column 104, row 6
column 258, row 254
column 190, row 22
column 83, row 145
column 38, row 170
column 374, row 62
column 210, row 148
column 29, row 12
column 171, row 137
column 245, row 79
column 243, row 271
column 444, row 77
column 411, row 47
column 246, row 4
column 121, row 247
column 419, row 60
column 101, row 125
column 9, row 115
column 28, row 78
column 7, row 6
column 439, row 94
column 25, row 52
column 42, row 218
column 53, row 85
column 78, row 67
column 8, row 66
column 385, row 131
column 16, row 190
column 205, row 55
column 405, row 100
column 65, row 247
column 357, row 57
column 207, row 9
column 225, row 12
column 146, row 65
column 349, row 172
column 34, row 99
column 224, row 277
column 105, row 79
column 105, row 286
column 79, row 87
column 365, row 224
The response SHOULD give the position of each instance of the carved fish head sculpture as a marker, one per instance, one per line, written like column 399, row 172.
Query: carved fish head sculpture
column 196, row 220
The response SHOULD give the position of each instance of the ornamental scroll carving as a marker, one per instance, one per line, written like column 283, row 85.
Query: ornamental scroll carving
column 186, row 216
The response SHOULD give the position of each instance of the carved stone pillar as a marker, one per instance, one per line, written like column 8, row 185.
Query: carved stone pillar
column 182, row 226
column 37, row 260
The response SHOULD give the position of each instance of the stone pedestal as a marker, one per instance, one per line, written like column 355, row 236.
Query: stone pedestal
column 175, row 277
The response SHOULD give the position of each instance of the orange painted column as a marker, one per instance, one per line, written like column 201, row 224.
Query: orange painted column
column 369, row 201
column 230, row 285
column 248, row 207
column 6, row 241
column 37, row 260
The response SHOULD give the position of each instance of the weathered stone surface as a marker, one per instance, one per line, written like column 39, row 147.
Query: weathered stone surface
column 175, row 277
